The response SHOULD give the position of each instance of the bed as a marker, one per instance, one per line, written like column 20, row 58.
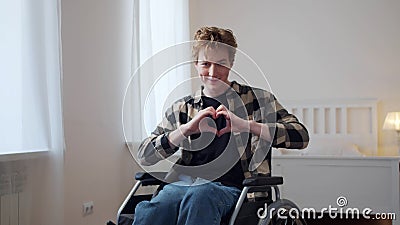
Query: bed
column 342, row 160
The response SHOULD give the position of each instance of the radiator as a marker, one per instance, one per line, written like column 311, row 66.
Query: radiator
column 12, row 198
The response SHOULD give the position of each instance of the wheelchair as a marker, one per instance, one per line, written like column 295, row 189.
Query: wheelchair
column 250, row 209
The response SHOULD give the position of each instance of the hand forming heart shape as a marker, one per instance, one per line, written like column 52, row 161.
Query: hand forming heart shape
column 218, row 123
column 199, row 123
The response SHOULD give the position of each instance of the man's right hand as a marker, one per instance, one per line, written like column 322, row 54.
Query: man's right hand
column 199, row 123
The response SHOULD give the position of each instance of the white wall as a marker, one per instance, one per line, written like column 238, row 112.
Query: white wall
column 330, row 49
column 308, row 49
column 96, row 37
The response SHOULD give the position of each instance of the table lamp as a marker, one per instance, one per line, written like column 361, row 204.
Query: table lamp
column 392, row 122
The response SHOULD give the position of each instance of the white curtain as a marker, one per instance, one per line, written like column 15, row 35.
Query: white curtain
column 159, row 26
column 31, row 134
column 29, row 60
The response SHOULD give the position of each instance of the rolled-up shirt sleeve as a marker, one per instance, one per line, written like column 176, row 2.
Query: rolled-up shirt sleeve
column 285, row 129
column 288, row 131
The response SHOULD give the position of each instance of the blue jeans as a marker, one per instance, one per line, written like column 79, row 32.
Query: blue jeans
column 182, row 204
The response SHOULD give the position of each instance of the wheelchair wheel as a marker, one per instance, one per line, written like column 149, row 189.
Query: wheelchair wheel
column 282, row 212
column 287, row 221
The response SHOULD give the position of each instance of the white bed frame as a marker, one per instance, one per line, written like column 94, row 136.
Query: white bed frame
column 327, row 169
column 337, row 125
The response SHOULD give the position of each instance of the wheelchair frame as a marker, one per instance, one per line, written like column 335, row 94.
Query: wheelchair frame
column 254, row 184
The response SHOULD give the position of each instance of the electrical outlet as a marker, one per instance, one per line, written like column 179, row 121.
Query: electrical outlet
column 87, row 208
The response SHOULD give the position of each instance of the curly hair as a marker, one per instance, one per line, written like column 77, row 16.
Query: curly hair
column 213, row 37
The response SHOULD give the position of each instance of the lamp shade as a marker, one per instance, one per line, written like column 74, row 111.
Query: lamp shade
column 392, row 121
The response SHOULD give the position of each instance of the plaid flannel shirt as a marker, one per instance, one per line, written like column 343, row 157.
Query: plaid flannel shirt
column 244, row 101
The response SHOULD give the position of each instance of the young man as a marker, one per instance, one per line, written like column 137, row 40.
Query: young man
column 225, row 131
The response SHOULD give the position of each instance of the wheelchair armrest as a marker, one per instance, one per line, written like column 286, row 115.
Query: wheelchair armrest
column 150, row 179
column 262, row 181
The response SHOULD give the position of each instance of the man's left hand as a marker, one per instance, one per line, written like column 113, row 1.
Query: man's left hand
column 233, row 122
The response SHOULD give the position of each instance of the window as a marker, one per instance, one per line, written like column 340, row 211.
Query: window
column 30, row 114
column 158, row 25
